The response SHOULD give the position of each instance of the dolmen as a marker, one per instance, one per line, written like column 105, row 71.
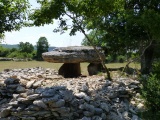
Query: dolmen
column 72, row 57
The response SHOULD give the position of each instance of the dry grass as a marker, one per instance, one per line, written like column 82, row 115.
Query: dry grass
column 56, row 66
column 117, row 65
column 31, row 64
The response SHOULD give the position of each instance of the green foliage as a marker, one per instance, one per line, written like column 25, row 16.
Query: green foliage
column 12, row 14
column 133, row 26
column 121, row 59
column 20, row 55
column 26, row 47
column 109, row 59
column 13, row 54
column 26, row 50
column 4, row 51
column 122, row 25
column 82, row 13
column 1, row 37
column 97, row 39
column 151, row 89
column 13, row 50
column 130, row 27
column 42, row 46
column 150, row 115
column 116, row 58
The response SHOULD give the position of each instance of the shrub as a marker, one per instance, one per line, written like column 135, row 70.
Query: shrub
column 121, row 58
column 151, row 89
column 109, row 59
column 4, row 51
column 13, row 54
column 13, row 50
column 20, row 55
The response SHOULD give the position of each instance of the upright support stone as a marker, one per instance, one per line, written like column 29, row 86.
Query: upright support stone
column 94, row 68
column 70, row 70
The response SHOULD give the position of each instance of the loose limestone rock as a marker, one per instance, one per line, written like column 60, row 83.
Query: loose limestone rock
column 5, row 113
column 40, row 103
column 67, row 99
column 20, row 89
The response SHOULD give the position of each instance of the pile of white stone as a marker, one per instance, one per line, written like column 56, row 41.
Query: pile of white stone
column 38, row 93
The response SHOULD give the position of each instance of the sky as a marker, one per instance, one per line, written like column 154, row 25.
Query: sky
column 32, row 34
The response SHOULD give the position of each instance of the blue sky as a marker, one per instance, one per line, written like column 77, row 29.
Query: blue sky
column 32, row 34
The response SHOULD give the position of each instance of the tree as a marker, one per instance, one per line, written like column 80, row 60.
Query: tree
column 80, row 12
column 42, row 46
column 134, row 26
column 4, row 51
column 142, row 19
column 26, row 47
column 12, row 15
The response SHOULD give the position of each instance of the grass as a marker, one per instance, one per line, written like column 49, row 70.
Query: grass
column 56, row 66
column 117, row 65
column 31, row 64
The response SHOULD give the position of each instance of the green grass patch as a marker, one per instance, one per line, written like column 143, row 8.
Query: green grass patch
column 118, row 65
column 56, row 66
column 31, row 64
column 28, row 64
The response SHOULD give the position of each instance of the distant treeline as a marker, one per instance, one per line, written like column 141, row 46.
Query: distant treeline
column 16, row 46
column 25, row 50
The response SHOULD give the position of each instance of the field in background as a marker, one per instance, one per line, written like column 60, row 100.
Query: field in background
column 56, row 66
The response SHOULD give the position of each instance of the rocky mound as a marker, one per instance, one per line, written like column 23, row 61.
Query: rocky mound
column 38, row 93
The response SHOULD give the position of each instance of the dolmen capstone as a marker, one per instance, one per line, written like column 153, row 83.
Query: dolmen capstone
column 72, row 57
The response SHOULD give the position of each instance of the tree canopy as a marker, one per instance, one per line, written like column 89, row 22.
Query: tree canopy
column 42, row 46
column 120, row 25
column 133, row 27
column 136, row 22
column 81, row 13
column 13, row 14
column 26, row 47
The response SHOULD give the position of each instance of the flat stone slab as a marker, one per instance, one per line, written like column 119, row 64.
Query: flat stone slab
column 73, row 54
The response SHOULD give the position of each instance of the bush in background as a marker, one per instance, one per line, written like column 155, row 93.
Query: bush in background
column 20, row 55
column 116, row 58
column 121, row 59
column 4, row 51
column 24, row 51
column 109, row 59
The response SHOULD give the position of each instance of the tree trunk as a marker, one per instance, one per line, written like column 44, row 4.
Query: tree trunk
column 98, row 53
column 147, row 59
column 90, row 41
